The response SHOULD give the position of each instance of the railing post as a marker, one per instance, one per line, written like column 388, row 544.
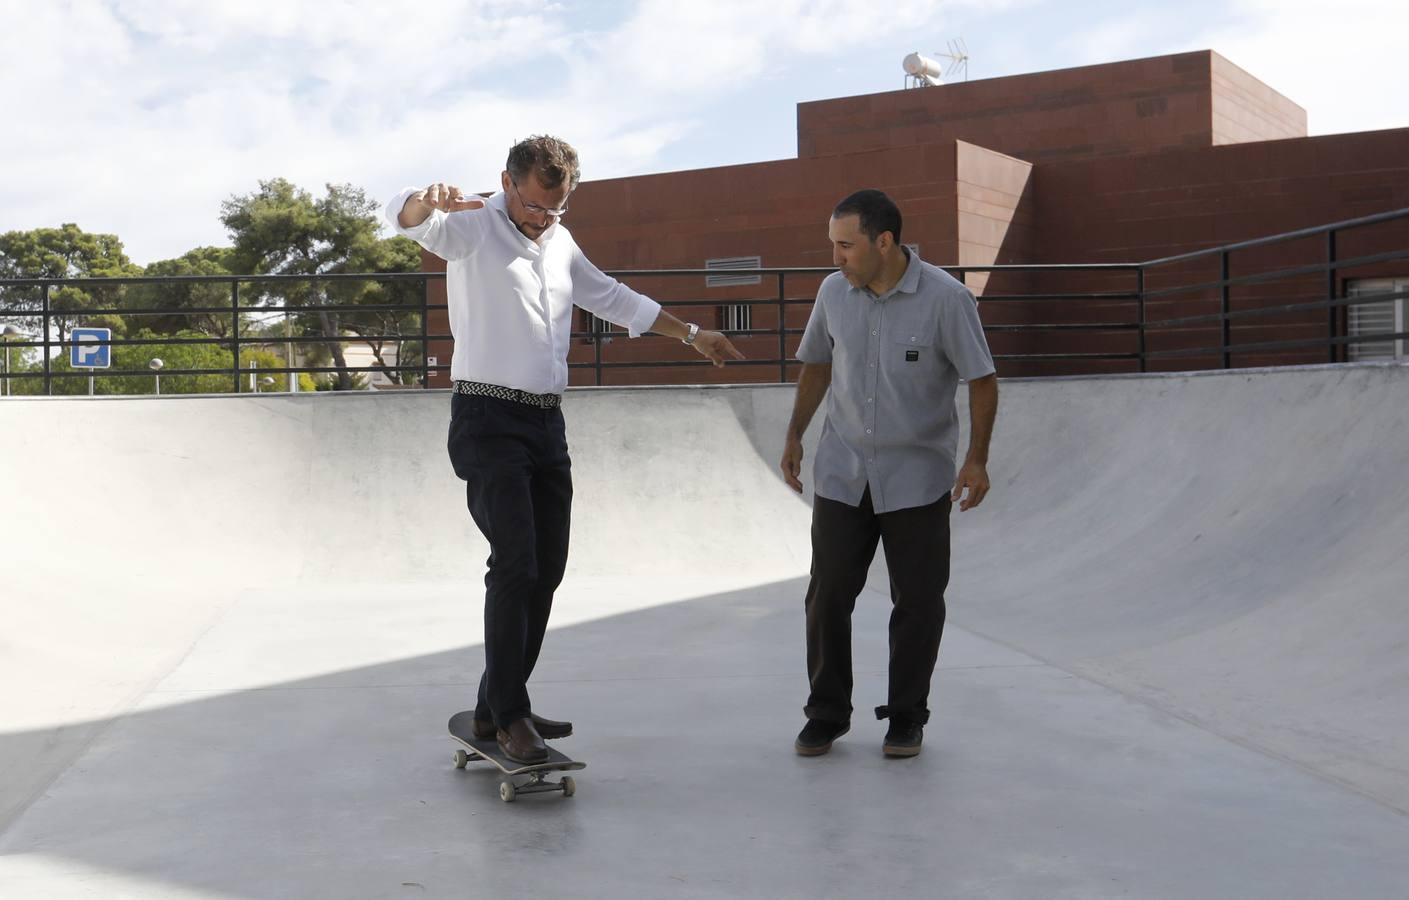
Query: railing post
column 1331, row 310
column 782, row 332
column 44, row 323
column 1227, row 330
column 425, row 331
column 595, row 324
column 235, row 332
column 1140, row 315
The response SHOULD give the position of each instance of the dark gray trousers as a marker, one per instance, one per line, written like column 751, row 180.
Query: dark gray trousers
column 844, row 540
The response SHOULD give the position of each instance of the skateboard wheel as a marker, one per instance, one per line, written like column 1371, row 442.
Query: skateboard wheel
column 506, row 791
column 569, row 786
column 461, row 758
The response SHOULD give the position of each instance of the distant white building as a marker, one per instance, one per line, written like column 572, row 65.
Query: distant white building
column 359, row 355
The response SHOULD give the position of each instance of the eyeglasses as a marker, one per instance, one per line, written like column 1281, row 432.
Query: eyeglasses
column 534, row 208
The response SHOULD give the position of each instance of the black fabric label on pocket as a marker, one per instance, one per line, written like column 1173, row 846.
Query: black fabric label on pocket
column 912, row 355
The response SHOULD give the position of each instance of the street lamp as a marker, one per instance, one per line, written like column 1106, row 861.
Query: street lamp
column 6, row 333
column 156, row 365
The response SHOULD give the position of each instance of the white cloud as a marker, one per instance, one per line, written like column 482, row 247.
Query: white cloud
column 1342, row 62
column 138, row 117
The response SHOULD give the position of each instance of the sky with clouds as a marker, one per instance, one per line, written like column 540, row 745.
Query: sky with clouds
column 138, row 117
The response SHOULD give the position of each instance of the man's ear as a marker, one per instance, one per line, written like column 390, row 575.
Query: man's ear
column 885, row 241
column 505, row 180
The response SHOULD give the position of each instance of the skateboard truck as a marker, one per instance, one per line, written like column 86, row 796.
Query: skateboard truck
column 538, row 781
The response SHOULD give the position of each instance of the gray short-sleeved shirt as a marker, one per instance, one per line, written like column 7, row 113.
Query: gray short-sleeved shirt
column 896, row 363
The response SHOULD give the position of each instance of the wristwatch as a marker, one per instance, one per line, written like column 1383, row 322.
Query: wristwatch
column 694, row 333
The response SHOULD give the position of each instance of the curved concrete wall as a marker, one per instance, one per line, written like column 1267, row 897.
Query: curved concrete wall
column 1230, row 547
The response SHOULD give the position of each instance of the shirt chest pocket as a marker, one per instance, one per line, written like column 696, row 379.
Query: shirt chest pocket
column 911, row 350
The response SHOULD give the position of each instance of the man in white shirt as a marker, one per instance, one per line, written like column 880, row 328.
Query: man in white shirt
column 513, row 275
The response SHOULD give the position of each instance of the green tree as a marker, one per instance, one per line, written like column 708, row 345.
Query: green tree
column 282, row 229
column 174, row 297
column 213, row 359
column 64, row 252
column 381, row 328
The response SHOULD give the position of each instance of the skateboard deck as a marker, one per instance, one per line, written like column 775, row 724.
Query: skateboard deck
column 462, row 730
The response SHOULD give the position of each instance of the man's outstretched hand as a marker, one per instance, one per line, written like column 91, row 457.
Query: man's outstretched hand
column 716, row 347
column 444, row 197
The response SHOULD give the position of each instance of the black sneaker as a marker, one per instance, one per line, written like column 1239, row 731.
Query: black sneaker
column 817, row 735
column 903, row 738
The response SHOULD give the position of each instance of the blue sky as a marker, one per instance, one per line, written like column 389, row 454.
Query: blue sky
column 138, row 117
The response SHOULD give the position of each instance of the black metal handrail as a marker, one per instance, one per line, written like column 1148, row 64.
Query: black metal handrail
column 236, row 340
column 1140, row 325
column 1332, row 301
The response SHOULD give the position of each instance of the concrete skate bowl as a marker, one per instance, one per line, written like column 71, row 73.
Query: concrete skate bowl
column 1228, row 552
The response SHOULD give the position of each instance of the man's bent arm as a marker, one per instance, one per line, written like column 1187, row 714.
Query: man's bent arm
column 971, row 484
column 983, row 410
column 712, row 345
column 412, row 214
column 812, row 386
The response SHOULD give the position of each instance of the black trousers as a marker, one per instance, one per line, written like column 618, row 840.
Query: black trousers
column 844, row 540
column 518, row 485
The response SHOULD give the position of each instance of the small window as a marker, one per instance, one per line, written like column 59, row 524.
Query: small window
column 596, row 327
column 1389, row 317
column 733, row 262
column 736, row 317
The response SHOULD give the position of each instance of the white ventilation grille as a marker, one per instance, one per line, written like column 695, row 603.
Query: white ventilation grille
column 1376, row 318
column 733, row 262
column 599, row 326
column 736, row 317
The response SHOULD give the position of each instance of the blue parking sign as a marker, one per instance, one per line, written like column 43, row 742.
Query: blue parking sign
column 85, row 353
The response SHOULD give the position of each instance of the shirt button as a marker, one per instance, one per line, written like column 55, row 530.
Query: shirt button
column 874, row 333
column 912, row 340
column 870, row 399
column 868, row 431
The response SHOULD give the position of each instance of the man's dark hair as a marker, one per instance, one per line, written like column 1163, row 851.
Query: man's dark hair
column 552, row 160
column 877, row 212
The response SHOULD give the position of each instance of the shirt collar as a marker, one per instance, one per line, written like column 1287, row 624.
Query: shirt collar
column 909, row 282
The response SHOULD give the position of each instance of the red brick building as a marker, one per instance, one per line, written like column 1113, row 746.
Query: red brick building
column 1119, row 163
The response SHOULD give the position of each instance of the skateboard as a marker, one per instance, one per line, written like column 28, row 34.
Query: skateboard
column 462, row 730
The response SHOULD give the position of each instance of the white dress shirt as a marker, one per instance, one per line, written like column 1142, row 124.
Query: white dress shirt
column 511, row 298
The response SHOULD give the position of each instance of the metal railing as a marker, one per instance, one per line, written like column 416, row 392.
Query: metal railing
column 253, row 297
column 1327, row 270
column 234, row 313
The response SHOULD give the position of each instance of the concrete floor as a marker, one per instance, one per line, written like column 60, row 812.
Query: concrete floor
column 1174, row 668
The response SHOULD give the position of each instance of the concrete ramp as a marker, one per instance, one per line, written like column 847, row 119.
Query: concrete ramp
column 1233, row 548
column 1177, row 662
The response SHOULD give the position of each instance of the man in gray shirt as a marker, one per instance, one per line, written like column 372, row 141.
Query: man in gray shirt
column 891, row 336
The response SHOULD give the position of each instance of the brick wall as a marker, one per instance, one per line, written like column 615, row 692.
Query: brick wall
column 1091, row 111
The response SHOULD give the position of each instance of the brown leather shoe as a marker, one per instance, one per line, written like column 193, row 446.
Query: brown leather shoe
column 547, row 728
column 522, row 743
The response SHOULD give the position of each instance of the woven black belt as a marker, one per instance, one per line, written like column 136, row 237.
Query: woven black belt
column 478, row 389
